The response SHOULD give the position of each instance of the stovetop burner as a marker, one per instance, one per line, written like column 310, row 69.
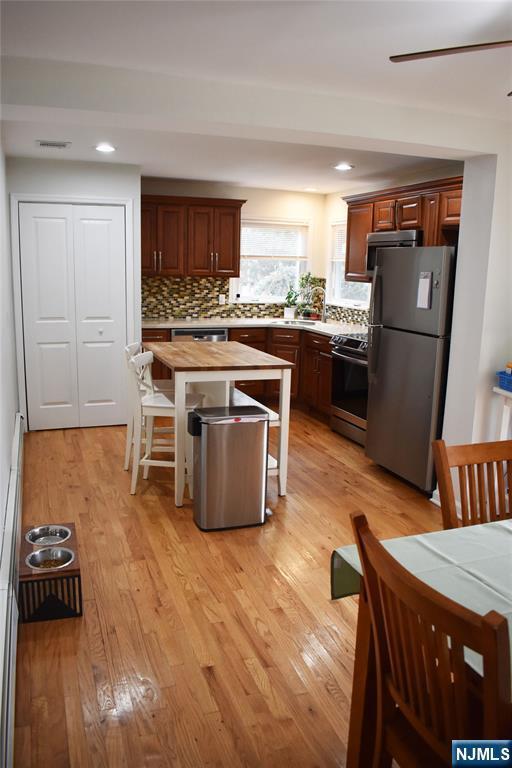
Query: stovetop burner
column 353, row 342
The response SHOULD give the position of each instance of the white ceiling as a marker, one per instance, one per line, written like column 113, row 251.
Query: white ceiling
column 242, row 162
column 339, row 47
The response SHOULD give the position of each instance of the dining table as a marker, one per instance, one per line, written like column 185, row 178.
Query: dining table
column 471, row 565
column 214, row 366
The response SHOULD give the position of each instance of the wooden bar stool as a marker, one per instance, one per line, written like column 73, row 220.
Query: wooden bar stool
column 147, row 405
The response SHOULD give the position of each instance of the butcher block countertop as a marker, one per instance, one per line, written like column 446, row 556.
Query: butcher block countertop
column 212, row 356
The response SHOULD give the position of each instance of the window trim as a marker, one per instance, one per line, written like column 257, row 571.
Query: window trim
column 348, row 303
column 234, row 282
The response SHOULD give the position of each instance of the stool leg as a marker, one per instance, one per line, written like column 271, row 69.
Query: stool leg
column 137, row 428
column 149, row 443
column 189, row 464
column 129, row 441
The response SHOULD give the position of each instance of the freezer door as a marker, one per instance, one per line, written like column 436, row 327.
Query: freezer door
column 405, row 404
column 414, row 288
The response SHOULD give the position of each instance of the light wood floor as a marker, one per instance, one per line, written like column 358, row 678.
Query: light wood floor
column 198, row 649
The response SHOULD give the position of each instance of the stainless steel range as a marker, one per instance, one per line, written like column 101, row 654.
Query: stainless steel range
column 350, row 385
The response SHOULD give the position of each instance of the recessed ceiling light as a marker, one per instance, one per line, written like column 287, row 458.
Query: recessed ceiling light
column 343, row 167
column 310, row 189
column 104, row 146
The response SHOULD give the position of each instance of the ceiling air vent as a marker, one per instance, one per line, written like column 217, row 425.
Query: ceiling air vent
column 49, row 144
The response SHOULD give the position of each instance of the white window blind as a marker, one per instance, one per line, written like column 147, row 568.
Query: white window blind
column 339, row 291
column 272, row 257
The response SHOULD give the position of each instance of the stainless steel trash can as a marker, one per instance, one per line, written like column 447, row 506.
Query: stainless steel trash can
column 230, row 466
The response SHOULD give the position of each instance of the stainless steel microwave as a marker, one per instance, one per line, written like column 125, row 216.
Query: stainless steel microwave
column 406, row 238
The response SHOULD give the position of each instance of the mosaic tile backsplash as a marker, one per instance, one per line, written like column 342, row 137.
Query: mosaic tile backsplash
column 180, row 297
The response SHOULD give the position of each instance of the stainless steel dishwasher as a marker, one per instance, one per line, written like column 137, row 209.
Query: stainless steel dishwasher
column 230, row 466
column 199, row 334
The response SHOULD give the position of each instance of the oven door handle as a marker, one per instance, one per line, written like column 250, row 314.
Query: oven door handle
column 348, row 359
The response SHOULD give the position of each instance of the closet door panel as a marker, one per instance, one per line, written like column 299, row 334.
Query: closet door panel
column 48, row 299
column 99, row 245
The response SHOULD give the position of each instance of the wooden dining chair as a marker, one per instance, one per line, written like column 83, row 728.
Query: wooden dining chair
column 426, row 694
column 484, row 472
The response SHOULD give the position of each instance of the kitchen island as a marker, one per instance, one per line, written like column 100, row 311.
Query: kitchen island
column 196, row 362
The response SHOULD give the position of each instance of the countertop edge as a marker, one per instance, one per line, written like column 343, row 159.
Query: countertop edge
column 327, row 329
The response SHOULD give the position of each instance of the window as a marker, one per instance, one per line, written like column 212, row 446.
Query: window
column 339, row 291
column 272, row 257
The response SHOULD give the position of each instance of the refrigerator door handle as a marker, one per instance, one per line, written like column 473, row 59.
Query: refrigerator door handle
column 373, row 351
column 376, row 276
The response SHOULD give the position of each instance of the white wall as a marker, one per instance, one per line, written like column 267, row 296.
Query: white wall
column 87, row 180
column 8, row 378
column 300, row 207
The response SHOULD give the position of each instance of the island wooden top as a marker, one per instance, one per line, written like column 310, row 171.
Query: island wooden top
column 213, row 356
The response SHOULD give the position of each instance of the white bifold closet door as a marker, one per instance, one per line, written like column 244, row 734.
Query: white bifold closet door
column 74, row 313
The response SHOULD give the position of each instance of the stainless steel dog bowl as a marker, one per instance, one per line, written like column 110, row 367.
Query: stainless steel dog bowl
column 50, row 558
column 47, row 535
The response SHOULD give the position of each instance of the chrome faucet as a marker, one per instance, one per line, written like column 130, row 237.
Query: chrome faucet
column 324, row 305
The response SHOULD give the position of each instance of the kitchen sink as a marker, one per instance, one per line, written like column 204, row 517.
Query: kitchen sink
column 294, row 322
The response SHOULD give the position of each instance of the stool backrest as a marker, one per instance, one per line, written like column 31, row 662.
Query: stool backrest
column 141, row 366
column 132, row 349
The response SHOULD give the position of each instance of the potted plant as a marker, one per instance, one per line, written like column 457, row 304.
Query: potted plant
column 307, row 285
column 290, row 303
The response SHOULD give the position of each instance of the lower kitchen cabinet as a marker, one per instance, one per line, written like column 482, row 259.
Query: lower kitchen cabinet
column 316, row 372
column 256, row 338
column 292, row 354
column 324, row 382
column 159, row 370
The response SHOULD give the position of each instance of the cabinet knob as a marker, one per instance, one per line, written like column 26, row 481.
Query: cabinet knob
column 159, row 261
column 100, row 330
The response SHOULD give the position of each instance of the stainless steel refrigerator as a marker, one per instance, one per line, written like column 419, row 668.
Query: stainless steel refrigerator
column 409, row 337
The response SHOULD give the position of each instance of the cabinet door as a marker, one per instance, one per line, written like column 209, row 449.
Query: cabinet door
column 200, row 240
column 359, row 224
column 292, row 354
column 309, row 376
column 384, row 215
column 408, row 212
column 148, row 249
column 324, row 382
column 249, row 336
column 227, row 242
column 171, row 240
column 449, row 208
column 255, row 388
column 430, row 218
column 158, row 369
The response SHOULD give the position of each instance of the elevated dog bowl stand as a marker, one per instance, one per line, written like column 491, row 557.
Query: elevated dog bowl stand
column 50, row 594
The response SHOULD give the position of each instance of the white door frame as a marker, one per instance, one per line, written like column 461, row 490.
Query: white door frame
column 133, row 323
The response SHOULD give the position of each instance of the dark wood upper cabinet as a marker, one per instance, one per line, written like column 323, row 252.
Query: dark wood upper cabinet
column 360, row 222
column 431, row 206
column 430, row 218
column 449, row 208
column 200, row 240
column 384, row 215
column 227, row 242
column 190, row 236
column 148, row 249
column 171, row 240
column 408, row 212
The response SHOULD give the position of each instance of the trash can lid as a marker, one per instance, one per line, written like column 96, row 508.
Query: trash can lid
column 221, row 413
